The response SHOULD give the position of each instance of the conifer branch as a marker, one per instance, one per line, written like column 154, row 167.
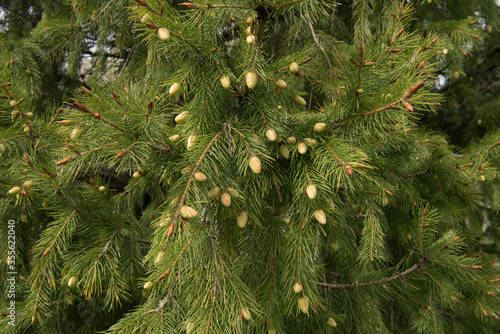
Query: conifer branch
column 176, row 35
column 286, row 4
column 75, row 207
column 83, row 108
column 97, row 16
column 201, row 117
column 488, row 87
column 242, row 136
column 60, row 231
column 18, row 107
column 352, row 310
column 37, row 298
column 480, row 305
column 185, row 246
column 190, row 69
column 191, row 178
column 316, row 40
column 209, row 6
column 243, row 263
column 303, row 61
column 5, row 140
column 31, row 76
column 106, row 246
column 307, row 175
column 60, row 44
column 109, row 123
column 442, row 288
column 334, row 154
column 298, row 253
column 372, row 238
column 168, row 149
column 215, row 288
column 273, row 276
column 82, row 154
column 400, row 275
column 411, row 91
column 276, row 186
column 421, row 231
column 260, row 110
column 474, row 267
column 104, row 202
column 79, row 28
column 429, row 170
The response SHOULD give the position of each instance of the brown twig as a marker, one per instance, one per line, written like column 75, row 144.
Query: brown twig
column 316, row 40
column 191, row 178
column 381, row 281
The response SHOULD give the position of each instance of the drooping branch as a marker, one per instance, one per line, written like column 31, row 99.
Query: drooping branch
column 191, row 178
column 380, row 281
column 316, row 40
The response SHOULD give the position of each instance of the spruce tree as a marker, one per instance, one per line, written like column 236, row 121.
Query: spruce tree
column 250, row 167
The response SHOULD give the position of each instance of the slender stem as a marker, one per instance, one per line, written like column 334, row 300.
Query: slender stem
column 61, row 229
column 37, row 297
column 260, row 110
column 76, row 208
column 369, row 113
column 316, row 40
column 420, row 234
column 381, row 281
column 11, row 97
column 191, row 178
column 184, row 248
column 287, row 4
column 201, row 117
column 303, row 61
column 197, row 6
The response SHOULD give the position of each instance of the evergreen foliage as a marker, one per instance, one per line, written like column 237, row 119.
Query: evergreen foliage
column 305, row 179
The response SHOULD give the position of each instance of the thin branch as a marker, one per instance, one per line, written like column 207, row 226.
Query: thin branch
column 287, row 4
column 316, row 40
column 196, row 6
column 97, row 16
column 60, row 44
column 86, row 25
column 371, row 112
column 260, row 110
column 61, row 229
column 191, row 178
column 76, row 208
column 421, row 231
column 381, row 281
column 126, row 63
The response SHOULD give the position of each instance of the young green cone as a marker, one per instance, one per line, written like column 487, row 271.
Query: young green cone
column 225, row 81
column 320, row 216
column 72, row 281
column 311, row 191
column 271, row 135
column 302, row 148
column 255, row 164
column 175, row 88
column 304, row 304
column 225, row 199
column 164, row 34
column 241, row 219
column 188, row 212
column 251, row 79
column 319, row 127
